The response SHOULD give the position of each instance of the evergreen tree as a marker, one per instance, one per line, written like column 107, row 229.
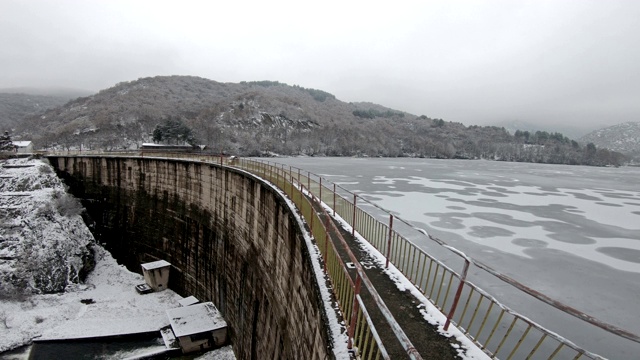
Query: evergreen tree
column 5, row 142
column 173, row 131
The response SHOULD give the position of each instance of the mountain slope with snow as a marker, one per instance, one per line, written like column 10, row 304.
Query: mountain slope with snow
column 624, row 138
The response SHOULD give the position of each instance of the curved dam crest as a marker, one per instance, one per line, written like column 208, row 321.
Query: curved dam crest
column 230, row 238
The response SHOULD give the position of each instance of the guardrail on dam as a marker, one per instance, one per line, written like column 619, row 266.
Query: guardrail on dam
column 230, row 238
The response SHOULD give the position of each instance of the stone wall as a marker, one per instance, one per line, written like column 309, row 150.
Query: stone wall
column 230, row 238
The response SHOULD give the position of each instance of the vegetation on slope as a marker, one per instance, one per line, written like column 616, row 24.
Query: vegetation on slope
column 266, row 117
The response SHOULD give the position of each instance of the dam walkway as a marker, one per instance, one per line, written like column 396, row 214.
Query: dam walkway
column 402, row 307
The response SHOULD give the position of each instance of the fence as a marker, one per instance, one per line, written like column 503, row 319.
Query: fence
column 360, row 329
column 495, row 328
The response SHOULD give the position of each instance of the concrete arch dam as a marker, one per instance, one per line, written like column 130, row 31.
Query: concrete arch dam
column 230, row 238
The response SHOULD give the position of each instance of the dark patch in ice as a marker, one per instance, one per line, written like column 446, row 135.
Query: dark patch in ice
column 632, row 204
column 502, row 190
column 608, row 204
column 456, row 208
column 488, row 200
column 494, row 194
column 489, row 231
column 572, row 238
column 620, row 253
column 458, row 183
column 574, row 211
column 636, row 212
column 582, row 196
column 617, row 195
column 530, row 243
column 539, row 194
column 501, row 219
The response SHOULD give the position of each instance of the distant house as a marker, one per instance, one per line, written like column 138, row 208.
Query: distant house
column 198, row 327
column 23, row 147
column 166, row 147
column 156, row 274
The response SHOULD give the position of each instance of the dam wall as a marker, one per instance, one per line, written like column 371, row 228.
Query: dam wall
column 230, row 237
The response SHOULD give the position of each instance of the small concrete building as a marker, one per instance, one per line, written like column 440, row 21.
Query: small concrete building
column 198, row 327
column 23, row 147
column 156, row 274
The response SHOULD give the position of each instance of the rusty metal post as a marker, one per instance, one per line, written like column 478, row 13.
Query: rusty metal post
column 311, row 220
column 334, row 199
column 354, row 312
column 309, row 182
column 389, row 241
column 463, row 278
column 326, row 244
column 353, row 224
column 320, row 195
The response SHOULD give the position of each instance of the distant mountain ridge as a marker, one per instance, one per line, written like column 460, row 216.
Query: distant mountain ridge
column 572, row 132
column 54, row 91
column 624, row 138
column 267, row 117
column 14, row 107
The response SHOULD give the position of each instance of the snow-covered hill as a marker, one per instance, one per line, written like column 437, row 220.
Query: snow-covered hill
column 624, row 138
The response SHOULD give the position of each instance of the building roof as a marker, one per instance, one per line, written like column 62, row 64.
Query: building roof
column 195, row 319
column 155, row 265
column 190, row 300
column 21, row 143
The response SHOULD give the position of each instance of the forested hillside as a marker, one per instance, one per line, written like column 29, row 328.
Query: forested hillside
column 268, row 117
column 624, row 138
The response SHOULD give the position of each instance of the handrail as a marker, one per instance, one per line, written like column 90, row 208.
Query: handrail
column 361, row 329
column 397, row 330
column 472, row 330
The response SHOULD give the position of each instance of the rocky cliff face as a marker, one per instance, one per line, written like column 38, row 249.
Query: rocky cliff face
column 44, row 244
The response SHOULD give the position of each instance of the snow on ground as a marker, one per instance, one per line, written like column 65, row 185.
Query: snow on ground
column 224, row 353
column 116, row 307
column 106, row 303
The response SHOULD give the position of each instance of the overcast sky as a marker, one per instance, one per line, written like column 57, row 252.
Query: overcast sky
column 476, row 62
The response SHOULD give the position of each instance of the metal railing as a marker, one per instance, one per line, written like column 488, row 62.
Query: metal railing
column 498, row 330
column 362, row 335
